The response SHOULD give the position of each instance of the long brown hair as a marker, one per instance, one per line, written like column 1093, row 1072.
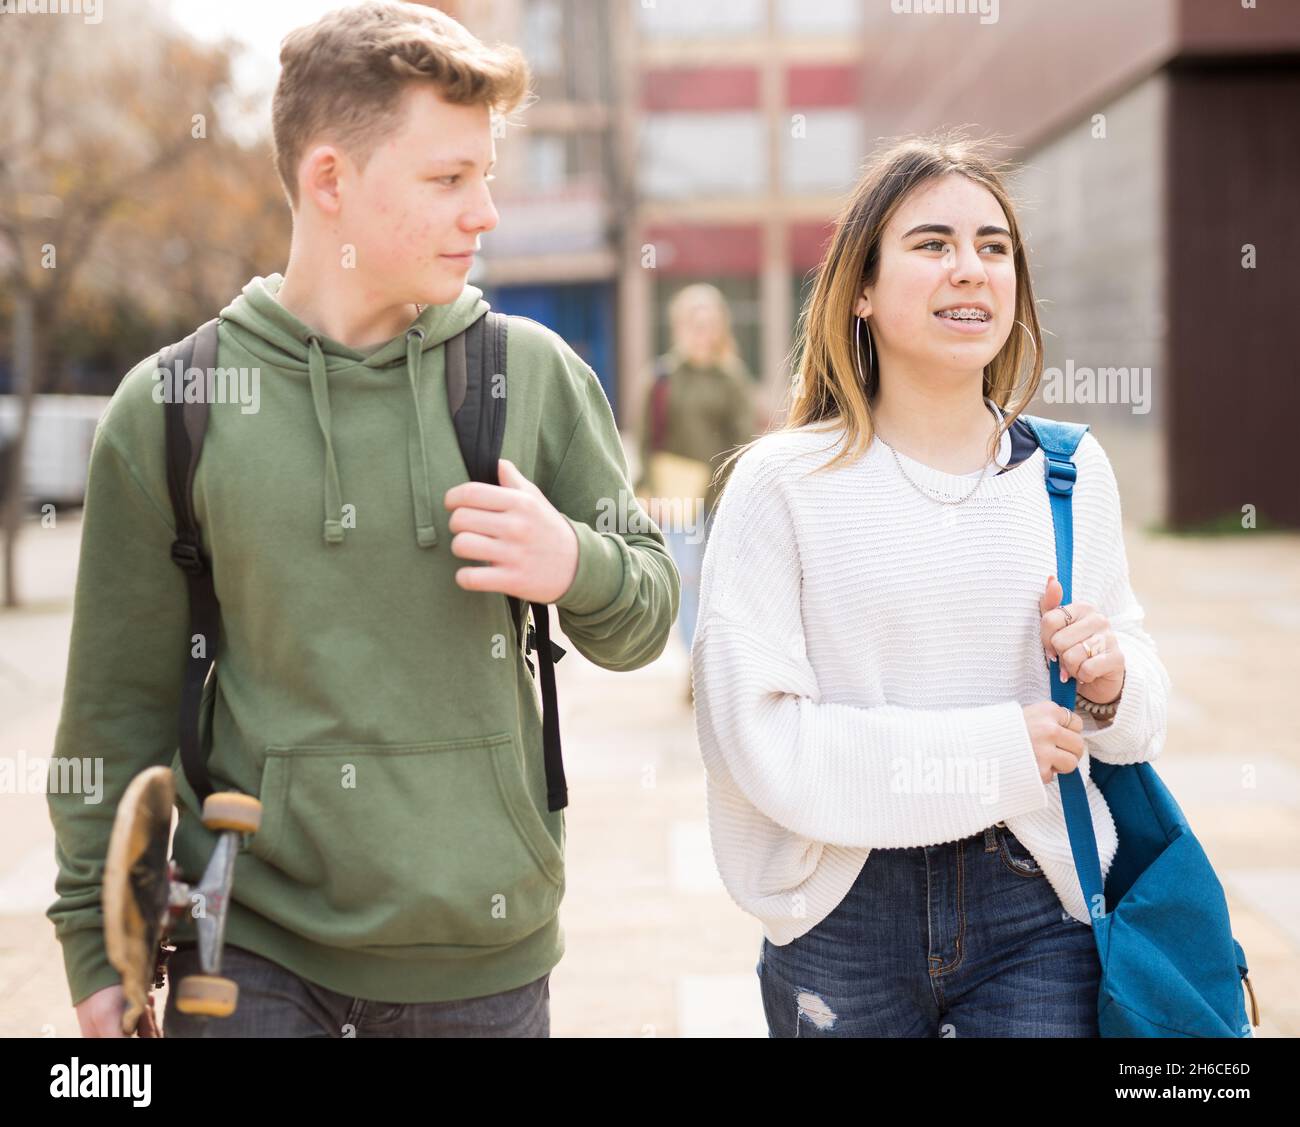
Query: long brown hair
column 826, row 388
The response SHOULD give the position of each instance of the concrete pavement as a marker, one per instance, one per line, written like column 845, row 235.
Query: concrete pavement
column 655, row 947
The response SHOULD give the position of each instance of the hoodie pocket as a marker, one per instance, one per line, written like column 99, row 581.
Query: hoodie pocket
column 398, row 845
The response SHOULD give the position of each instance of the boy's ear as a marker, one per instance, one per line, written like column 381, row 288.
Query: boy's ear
column 318, row 177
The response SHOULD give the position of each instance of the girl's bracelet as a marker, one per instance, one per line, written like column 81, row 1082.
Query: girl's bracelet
column 1102, row 713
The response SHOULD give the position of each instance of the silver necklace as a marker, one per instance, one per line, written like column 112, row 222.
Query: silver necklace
column 920, row 490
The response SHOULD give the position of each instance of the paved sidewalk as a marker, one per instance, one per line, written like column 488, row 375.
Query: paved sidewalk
column 655, row 947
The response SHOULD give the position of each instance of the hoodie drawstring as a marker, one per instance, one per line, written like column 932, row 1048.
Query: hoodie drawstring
column 426, row 534
column 321, row 401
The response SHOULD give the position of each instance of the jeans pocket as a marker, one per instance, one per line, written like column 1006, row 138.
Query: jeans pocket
column 1016, row 857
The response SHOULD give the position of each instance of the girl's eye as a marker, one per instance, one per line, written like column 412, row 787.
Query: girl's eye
column 1001, row 248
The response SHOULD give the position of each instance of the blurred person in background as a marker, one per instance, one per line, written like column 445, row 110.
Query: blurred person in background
column 699, row 406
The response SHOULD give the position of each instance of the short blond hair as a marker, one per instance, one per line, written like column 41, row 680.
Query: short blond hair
column 698, row 294
column 343, row 77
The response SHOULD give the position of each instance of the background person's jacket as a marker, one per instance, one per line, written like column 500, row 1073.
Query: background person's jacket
column 707, row 413
column 384, row 715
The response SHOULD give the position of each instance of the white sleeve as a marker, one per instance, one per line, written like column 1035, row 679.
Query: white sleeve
column 861, row 777
column 1137, row 732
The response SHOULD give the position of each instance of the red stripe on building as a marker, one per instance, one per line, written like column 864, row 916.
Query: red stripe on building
column 838, row 85
column 682, row 249
column 699, row 88
column 808, row 244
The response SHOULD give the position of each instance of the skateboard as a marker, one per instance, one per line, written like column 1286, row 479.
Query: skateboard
column 144, row 895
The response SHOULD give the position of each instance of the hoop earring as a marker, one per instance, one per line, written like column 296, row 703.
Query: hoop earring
column 1018, row 386
column 1031, row 341
column 857, row 350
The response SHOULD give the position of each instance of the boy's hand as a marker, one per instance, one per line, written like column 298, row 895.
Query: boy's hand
column 100, row 1015
column 530, row 546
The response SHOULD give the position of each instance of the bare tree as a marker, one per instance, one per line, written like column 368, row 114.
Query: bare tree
column 98, row 118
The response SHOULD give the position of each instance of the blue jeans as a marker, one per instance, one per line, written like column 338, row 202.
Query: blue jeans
column 964, row 939
column 275, row 1002
column 689, row 558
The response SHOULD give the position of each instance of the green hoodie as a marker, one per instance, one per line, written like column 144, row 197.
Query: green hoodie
column 384, row 716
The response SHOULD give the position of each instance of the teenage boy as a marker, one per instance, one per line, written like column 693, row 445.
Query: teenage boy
column 372, row 690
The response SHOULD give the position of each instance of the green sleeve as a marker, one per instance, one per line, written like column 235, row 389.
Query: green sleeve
column 121, row 694
column 620, row 608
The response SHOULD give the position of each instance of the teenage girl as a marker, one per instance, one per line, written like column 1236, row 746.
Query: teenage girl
column 877, row 607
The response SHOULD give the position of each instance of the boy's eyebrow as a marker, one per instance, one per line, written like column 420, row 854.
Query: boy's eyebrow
column 944, row 229
column 461, row 162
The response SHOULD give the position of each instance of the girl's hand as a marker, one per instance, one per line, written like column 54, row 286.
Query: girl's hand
column 1100, row 676
column 1055, row 733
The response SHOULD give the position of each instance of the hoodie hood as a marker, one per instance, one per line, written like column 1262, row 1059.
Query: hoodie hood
column 271, row 333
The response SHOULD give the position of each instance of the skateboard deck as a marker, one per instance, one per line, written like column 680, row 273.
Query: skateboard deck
column 137, row 886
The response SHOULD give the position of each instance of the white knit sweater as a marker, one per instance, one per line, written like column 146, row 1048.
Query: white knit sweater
column 862, row 655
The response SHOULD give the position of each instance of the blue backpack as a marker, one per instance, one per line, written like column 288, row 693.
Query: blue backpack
column 1170, row 965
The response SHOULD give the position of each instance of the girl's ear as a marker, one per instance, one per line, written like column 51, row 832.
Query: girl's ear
column 863, row 308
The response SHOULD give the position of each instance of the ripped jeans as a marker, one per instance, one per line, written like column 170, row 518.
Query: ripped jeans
column 964, row 939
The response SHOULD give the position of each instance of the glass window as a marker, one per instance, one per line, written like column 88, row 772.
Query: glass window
column 543, row 23
column 702, row 154
column 823, row 17
column 700, row 19
column 821, row 150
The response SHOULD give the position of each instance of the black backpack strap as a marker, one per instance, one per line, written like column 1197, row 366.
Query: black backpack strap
column 185, row 425
column 476, row 395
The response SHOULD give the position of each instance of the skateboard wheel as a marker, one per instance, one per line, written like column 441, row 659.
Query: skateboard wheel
column 229, row 810
column 206, row 995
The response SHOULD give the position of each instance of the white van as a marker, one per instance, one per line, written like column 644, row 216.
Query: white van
column 58, row 444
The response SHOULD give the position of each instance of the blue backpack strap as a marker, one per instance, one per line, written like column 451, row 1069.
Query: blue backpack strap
column 1059, row 442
